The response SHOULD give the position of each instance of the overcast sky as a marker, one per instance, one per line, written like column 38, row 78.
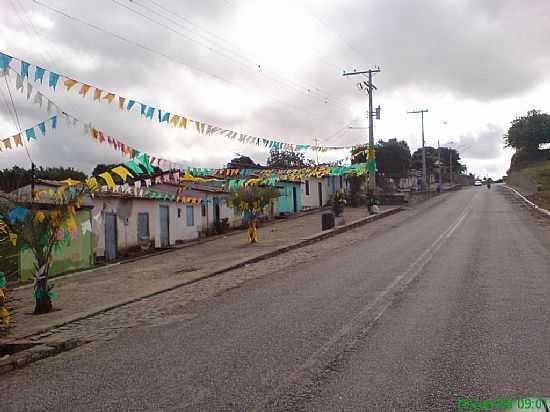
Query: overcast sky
column 274, row 69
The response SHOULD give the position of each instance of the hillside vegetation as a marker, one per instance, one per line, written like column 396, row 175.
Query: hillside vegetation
column 540, row 172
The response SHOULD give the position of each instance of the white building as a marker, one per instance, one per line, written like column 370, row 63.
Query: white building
column 122, row 223
column 316, row 192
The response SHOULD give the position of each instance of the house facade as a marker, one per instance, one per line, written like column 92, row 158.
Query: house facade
column 122, row 223
column 290, row 198
column 317, row 191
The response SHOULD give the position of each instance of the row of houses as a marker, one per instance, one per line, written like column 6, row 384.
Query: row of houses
column 115, row 224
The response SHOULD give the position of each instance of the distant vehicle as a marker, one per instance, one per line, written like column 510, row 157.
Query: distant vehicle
column 478, row 182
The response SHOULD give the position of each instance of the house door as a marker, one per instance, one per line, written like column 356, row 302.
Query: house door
column 216, row 212
column 110, row 236
column 143, row 228
column 320, row 186
column 294, row 199
column 164, row 226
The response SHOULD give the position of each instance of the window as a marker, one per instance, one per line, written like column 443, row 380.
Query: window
column 179, row 212
column 307, row 187
column 143, row 226
column 190, row 215
column 203, row 210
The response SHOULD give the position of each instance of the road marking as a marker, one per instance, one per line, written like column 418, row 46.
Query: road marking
column 369, row 315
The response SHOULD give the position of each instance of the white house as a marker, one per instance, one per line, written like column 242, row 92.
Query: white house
column 122, row 222
column 316, row 192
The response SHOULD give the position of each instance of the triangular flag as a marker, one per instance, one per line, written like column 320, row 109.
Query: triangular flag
column 121, row 101
column 50, row 106
column 108, row 179
column 18, row 140
column 54, row 121
column 150, row 112
column 42, row 127
column 143, row 108
column 86, row 227
column 30, row 134
column 166, row 117
column 19, row 83
column 109, row 97
column 24, row 69
column 84, row 89
column 175, row 120
column 52, row 80
column 97, row 94
column 130, row 105
column 29, row 90
column 122, row 172
column 39, row 74
column 5, row 61
column 69, row 83
column 38, row 98
column 183, row 122
column 7, row 143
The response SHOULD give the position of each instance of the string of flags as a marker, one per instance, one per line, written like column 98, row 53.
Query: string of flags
column 54, row 79
column 32, row 133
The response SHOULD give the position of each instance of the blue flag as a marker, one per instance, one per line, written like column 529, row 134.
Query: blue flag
column 131, row 104
column 54, row 77
column 150, row 112
column 54, row 122
column 5, row 61
column 24, row 69
column 30, row 134
column 39, row 74
column 166, row 117
column 42, row 127
column 143, row 107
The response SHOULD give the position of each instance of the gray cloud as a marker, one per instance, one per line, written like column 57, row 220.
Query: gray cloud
column 487, row 144
column 465, row 48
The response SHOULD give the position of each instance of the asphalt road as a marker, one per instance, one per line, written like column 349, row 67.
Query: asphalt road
column 450, row 303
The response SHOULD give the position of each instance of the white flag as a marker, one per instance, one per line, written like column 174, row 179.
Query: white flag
column 29, row 91
column 19, row 83
column 38, row 98
column 51, row 106
column 87, row 225
column 148, row 182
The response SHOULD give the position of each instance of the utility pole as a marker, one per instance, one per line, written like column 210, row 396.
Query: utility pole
column 451, row 165
column 317, row 151
column 370, row 88
column 32, row 181
column 439, row 163
column 423, row 147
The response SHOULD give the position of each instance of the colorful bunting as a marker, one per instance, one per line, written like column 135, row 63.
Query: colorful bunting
column 122, row 172
column 39, row 74
column 52, row 80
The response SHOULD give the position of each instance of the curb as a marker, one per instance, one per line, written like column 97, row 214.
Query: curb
column 36, row 352
column 304, row 242
column 533, row 205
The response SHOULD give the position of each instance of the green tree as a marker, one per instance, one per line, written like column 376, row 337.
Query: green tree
column 285, row 159
column 16, row 177
column 529, row 132
column 393, row 158
column 251, row 201
column 26, row 225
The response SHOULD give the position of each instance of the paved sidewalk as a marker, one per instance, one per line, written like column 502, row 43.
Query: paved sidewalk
column 87, row 292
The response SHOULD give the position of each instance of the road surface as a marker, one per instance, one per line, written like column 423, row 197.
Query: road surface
column 414, row 312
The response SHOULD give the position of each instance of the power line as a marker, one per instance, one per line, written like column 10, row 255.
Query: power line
column 308, row 90
column 153, row 51
column 18, row 122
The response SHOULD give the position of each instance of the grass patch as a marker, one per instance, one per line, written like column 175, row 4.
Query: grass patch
column 540, row 172
column 541, row 199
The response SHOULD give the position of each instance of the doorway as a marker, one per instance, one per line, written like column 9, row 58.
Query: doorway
column 110, row 237
column 164, row 226
column 320, row 188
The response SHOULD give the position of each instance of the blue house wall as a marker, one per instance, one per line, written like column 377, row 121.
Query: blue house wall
column 288, row 192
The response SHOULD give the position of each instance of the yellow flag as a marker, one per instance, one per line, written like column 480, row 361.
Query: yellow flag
column 175, row 120
column 84, row 89
column 108, row 179
column 109, row 97
column 92, row 184
column 71, row 182
column 7, row 143
column 69, row 83
column 183, row 122
column 39, row 216
column 17, row 140
column 122, row 172
column 121, row 101
column 13, row 238
column 97, row 94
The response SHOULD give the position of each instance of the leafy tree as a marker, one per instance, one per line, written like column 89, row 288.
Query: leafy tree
column 285, row 159
column 252, row 200
column 26, row 225
column 16, row 177
column 528, row 132
column 393, row 158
